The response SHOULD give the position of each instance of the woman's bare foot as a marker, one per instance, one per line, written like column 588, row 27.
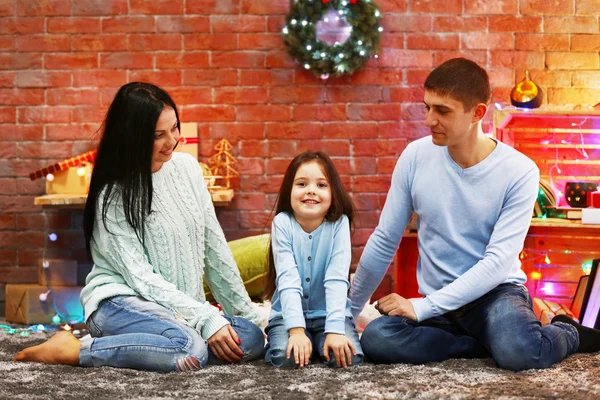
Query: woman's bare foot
column 62, row 348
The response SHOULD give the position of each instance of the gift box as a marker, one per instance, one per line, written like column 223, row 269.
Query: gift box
column 188, row 143
column 546, row 310
column 57, row 272
column 24, row 306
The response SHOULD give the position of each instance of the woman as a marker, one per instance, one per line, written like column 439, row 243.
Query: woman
column 152, row 232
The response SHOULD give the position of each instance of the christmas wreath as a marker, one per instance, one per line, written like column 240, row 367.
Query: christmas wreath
column 321, row 58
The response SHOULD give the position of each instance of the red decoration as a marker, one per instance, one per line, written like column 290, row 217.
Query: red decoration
column 325, row 1
column 353, row 1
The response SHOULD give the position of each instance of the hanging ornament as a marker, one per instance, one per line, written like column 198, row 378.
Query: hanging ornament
column 526, row 94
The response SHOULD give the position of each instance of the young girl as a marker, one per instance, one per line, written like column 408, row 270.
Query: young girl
column 309, row 261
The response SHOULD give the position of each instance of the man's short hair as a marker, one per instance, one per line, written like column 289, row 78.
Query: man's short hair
column 462, row 80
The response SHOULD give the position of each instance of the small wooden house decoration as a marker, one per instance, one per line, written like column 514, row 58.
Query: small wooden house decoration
column 69, row 176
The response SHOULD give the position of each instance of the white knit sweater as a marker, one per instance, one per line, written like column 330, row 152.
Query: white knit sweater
column 183, row 241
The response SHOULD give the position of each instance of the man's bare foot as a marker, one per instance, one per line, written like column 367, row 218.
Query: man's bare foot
column 62, row 348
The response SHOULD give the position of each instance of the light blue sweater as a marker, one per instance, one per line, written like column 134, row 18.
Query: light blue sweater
column 312, row 272
column 183, row 241
column 471, row 225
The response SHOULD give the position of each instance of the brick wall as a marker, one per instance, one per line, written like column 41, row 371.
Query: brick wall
column 61, row 61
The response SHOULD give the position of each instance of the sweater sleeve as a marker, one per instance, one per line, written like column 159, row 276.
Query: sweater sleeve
column 117, row 245
column 383, row 243
column 288, row 282
column 504, row 246
column 336, row 278
column 222, row 274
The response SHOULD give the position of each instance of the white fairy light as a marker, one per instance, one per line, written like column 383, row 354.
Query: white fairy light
column 285, row 30
column 323, row 54
column 380, row 29
column 362, row 52
column 293, row 22
column 304, row 23
column 49, row 177
column 341, row 55
column 309, row 47
column 359, row 42
column 307, row 66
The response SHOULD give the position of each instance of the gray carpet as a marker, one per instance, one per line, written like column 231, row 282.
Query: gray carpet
column 578, row 377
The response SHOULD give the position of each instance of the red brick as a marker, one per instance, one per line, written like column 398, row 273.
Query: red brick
column 352, row 94
column 283, row 148
column 392, row 6
column 393, row 94
column 513, row 23
column 298, row 131
column 129, row 24
column 8, row 43
column 41, row 79
column 407, row 23
column 488, row 41
column 586, row 7
column 99, row 43
column 297, row 95
column 373, row 112
column 181, row 60
column 247, row 166
column 334, row 148
column 207, row 113
column 585, row 42
column 155, row 42
column 156, row 7
column 8, row 150
column 405, row 59
column 75, row 97
column 103, row 7
column 7, row 258
column 386, row 165
column 403, row 129
column 264, row 184
column 21, row 132
column 517, row 59
column 479, row 56
column 20, row 97
column 434, row 6
column 366, row 201
column 262, row 113
column 492, row 7
column 319, row 113
column 459, row 24
column 32, row 43
column 240, row 95
column 21, row 26
column 70, row 61
column 88, row 114
column 571, row 25
column 265, row 7
column 572, row 61
column 275, row 23
column 45, row 8
column 209, row 7
column 8, row 115
column 28, row 260
column 71, row 131
column 432, row 41
column 572, row 95
column 589, row 79
column 61, row 219
column 52, row 150
column 20, row 61
column 210, row 77
column 281, row 77
column 163, row 77
column 44, row 115
column 7, row 79
column 222, row 41
column 237, row 23
column 377, row 77
column 99, row 78
column 8, row 7
column 253, row 148
column 303, row 77
column 30, row 221
column 240, row 59
column 17, row 204
column 7, row 221
column 501, row 77
column 18, row 275
column 280, row 59
column 193, row 95
column 413, row 111
column 237, row 131
column 128, row 60
column 73, row 25
column 544, row 77
column 366, row 183
column 255, row 219
column 275, row 166
column 28, row 187
column 538, row 42
column 260, row 41
column 393, row 41
column 378, row 148
column 8, row 186
column 546, row 7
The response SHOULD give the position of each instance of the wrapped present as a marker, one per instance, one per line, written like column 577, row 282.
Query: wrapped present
column 546, row 310
column 36, row 304
column 57, row 272
column 188, row 143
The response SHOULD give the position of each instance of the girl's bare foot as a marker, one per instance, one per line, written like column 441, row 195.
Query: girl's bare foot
column 62, row 348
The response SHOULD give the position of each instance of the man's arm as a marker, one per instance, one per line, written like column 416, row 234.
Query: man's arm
column 383, row 243
column 504, row 246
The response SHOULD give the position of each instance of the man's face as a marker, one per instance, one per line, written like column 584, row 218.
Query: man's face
column 450, row 124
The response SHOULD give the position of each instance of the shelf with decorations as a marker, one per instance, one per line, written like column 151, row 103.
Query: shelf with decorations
column 67, row 181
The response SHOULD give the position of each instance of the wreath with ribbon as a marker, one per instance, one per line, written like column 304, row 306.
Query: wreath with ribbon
column 322, row 59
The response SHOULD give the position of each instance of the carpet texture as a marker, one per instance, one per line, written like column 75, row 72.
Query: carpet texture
column 578, row 377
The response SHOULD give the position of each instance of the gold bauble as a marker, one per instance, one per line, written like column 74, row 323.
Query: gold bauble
column 527, row 93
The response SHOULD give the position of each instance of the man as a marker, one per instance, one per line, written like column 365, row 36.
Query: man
column 473, row 197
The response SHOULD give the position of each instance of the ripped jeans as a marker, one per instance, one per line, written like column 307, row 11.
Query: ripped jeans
column 130, row 332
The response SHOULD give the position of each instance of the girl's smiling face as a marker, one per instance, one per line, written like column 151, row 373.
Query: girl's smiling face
column 311, row 194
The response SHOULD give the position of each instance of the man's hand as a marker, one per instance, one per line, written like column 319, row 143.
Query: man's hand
column 342, row 348
column 301, row 345
column 225, row 345
column 394, row 304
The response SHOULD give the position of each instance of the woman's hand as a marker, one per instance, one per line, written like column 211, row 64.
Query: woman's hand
column 342, row 348
column 225, row 344
column 301, row 345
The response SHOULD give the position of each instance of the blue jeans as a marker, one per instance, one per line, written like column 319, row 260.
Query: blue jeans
column 277, row 337
column 130, row 332
column 500, row 324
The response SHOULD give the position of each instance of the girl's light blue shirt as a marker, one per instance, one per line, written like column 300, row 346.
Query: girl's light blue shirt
column 312, row 272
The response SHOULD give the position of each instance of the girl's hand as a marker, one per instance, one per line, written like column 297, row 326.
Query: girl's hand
column 301, row 345
column 225, row 345
column 342, row 348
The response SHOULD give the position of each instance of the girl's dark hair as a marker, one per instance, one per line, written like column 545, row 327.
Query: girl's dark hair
column 341, row 203
column 124, row 160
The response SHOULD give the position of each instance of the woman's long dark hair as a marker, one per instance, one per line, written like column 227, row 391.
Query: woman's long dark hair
column 124, row 160
column 341, row 203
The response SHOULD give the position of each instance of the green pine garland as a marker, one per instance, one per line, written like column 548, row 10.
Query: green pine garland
column 321, row 59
